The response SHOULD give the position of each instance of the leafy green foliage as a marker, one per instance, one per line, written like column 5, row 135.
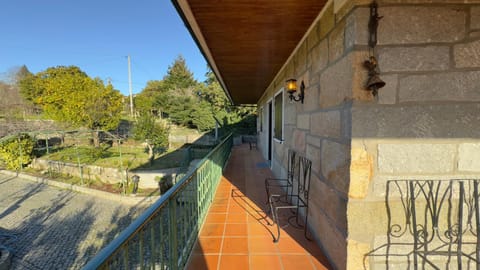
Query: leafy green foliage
column 68, row 95
column 154, row 134
column 187, row 102
column 178, row 76
column 16, row 151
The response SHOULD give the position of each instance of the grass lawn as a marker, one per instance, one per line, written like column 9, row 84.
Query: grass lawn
column 131, row 157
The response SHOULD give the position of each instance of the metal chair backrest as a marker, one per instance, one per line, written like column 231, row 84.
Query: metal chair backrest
column 301, row 180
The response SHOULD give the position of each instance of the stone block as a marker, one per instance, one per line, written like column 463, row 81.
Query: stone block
column 313, row 154
column 475, row 17
column 361, row 172
column 335, row 164
column 311, row 99
column 388, row 94
column 356, row 31
column 300, row 60
column 356, row 253
column 312, row 38
column 326, row 124
column 360, row 76
column 290, row 112
column 314, row 80
column 416, row 158
column 299, row 140
column 303, row 121
column 421, row 24
column 394, row 59
column 467, row 55
column 318, row 57
column 336, row 41
column 474, row 34
column 331, row 202
column 451, row 86
column 469, row 157
column 312, row 140
column 422, row 121
column 327, row 21
column 333, row 241
column 361, row 212
column 289, row 72
column 336, row 83
column 347, row 121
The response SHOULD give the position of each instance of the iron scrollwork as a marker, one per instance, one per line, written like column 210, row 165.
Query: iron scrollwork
column 434, row 222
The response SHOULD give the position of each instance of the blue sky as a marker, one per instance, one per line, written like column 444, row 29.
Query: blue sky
column 97, row 35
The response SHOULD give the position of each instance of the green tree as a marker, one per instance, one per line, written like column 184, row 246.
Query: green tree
column 154, row 134
column 16, row 151
column 178, row 76
column 68, row 95
column 152, row 99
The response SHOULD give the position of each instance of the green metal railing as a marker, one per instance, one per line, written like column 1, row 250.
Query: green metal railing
column 164, row 235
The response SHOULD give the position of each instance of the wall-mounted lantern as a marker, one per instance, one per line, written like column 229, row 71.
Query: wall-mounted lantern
column 374, row 82
column 291, row 86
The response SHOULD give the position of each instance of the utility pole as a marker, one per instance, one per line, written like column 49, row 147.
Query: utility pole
column 130, row 86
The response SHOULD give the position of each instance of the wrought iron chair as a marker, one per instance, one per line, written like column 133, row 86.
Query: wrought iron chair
column 295, row 197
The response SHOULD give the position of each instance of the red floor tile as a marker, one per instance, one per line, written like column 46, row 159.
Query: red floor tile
column 212, row 229
column 288, row 245
column 216, row 218
column 233, row 262
column 208, row 245
column 235, row 245
column 265, row 262
column 237, row 234
column 236, row 229
column 236, row 218
column 296, row 262
column 262, row 245
column 203, row 262
column 219, row 208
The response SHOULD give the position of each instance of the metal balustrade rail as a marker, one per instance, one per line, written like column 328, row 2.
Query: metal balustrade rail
column 431, row 224
column 164, row 235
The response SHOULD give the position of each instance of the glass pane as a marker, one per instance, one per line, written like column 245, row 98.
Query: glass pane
column 279, row 116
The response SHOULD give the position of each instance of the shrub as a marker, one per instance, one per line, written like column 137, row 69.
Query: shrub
column 17, row 151
column 165, row 183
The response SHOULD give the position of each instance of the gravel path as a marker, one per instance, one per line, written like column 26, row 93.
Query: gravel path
column 51, row 228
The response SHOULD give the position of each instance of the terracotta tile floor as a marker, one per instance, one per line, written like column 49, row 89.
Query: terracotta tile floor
column 236, row 234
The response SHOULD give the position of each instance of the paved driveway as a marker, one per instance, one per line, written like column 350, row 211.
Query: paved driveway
column 50, row 228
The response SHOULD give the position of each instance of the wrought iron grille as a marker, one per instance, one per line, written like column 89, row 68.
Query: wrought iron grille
column 431, row 224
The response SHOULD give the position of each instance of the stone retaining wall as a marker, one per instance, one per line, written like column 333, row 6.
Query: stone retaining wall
column 106, row 175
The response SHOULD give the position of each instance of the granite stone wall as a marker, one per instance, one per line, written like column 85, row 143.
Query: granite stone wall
column 424, row 124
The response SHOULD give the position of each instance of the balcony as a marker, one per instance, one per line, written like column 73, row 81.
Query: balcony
column 212, row 220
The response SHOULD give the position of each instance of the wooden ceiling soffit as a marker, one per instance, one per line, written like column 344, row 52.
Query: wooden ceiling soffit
column 246, row 42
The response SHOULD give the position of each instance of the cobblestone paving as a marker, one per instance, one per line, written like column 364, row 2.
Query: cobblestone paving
column 50, row 228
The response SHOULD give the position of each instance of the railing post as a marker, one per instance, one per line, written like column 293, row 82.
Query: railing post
column 173, row 247
column 414, row 223
column 460, row 225
column 477, row 222
column 152, row 246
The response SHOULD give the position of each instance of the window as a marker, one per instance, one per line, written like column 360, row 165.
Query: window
column 260, row 119
column 278, row 102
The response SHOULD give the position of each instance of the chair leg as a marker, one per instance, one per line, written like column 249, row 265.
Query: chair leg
column 267, row 190
column 306, row 224
column 275, row 219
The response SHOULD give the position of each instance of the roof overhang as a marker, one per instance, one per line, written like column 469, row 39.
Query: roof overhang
column 247, row 42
